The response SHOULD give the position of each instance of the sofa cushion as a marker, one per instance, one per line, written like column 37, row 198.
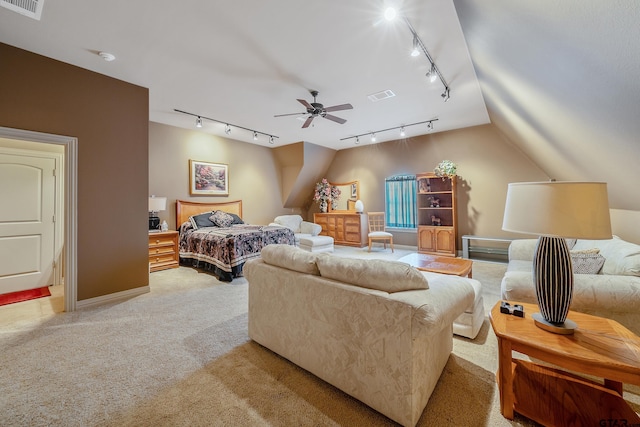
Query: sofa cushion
column 388, row 276
column 621, row 257
column 587, row 262
column 291, row 258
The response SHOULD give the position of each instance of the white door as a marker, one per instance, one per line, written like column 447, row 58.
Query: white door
column 27, row 207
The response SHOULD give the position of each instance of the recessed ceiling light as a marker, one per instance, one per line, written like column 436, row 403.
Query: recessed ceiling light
column 107, row 56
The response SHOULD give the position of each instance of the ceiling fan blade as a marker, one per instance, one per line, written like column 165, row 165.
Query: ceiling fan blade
column 334, row 118
column 305, row 103
column 339, row 107
column 290, row 114
column 307, row 122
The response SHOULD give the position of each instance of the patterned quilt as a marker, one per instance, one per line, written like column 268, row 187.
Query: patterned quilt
column 225, row 250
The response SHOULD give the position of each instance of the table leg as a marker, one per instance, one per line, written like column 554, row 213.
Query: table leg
column 505, row 378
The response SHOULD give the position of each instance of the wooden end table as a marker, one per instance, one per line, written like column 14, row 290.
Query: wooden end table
column 439, row 264
column 548, row 394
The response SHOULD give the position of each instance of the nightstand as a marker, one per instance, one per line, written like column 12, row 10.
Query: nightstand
column 163, row 250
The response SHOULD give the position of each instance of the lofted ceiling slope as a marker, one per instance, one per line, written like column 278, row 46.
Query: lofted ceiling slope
column 561, row 81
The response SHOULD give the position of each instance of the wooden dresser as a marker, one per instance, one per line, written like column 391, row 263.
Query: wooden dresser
column 163, row 250
column 347, row 229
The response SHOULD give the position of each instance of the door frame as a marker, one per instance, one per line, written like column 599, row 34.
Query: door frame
column 70, row 204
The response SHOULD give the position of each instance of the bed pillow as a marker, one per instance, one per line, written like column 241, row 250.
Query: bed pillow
column 221, row 219
column 291, row 258
column 236, row 219
column 201, row 220
column 388, row 276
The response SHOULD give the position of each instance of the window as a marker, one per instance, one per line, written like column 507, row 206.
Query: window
column 400, row 201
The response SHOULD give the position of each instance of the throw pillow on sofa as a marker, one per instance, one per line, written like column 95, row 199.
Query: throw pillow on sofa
column 388, row 276
column 587, row 261
column 291, row 258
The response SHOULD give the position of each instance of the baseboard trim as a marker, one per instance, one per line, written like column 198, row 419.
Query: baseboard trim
column 92, row 302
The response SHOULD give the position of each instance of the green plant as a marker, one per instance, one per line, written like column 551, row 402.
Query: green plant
column 446, row 168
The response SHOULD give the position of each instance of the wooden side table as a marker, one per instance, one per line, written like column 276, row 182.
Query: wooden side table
column 163, row 250
column 551, row 396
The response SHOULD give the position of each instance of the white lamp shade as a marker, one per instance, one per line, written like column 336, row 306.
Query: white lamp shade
column 558, row 209
column 359, row 206
column 157, row 204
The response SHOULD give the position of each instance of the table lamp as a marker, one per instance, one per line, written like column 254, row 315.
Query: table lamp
column 156, row 204
column 556, row 211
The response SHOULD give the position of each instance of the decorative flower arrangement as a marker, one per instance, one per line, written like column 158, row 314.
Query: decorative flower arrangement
column 325, row 193
column 446, row 169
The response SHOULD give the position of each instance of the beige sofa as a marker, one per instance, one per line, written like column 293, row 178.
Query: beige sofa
column 612, row 292
column 381, row 331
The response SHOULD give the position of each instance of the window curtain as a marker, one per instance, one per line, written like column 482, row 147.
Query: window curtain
column 400, row 201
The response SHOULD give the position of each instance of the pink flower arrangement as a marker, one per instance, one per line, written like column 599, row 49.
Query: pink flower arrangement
column 325, row 193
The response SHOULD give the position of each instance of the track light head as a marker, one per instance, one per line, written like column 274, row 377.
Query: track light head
column 446, row 94
column 271, row 139
column 430, row 126
column 227, row 129
column 402, row 132
column 373, row 137
column 198, row 122
column 415, row 51
column 255, row 135
column 357, row 140
column 432, row 75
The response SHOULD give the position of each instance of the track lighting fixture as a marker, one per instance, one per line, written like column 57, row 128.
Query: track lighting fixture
column 417, row 47
column 415, row 51
column 431, row 74
column 402, row 131
column 227, row 127
column 445, row 95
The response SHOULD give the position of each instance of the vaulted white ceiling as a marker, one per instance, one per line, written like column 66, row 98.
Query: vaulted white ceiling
column 559, row 79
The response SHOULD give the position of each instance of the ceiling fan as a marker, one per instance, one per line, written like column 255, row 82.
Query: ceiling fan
column 316, row 109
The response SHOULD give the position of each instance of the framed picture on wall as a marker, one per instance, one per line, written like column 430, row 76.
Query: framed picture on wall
column 208, row 179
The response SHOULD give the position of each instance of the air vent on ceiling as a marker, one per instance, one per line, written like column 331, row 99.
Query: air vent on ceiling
column 375, row 97
column 30, row 8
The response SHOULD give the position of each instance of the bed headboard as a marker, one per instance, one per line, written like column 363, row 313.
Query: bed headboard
column 185, row 209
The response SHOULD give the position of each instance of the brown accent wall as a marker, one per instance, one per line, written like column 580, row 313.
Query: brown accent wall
column 110, row 119
column 486, row 161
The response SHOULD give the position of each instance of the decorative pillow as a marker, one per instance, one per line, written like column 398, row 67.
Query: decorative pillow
column 587, row 261
column 201, row 220
column 291, row 258
column 221, row 219
column 388, row 276
column 571, row 243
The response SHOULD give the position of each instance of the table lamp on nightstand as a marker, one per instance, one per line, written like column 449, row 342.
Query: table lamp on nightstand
column 156, row 204
column 556, row 211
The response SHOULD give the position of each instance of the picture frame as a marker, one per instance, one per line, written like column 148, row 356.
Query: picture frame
column 208, row 179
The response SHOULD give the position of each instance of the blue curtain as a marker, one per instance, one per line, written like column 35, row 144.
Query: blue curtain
column 400, row 201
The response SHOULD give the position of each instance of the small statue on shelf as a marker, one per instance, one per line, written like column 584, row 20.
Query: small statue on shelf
column 435, row 202
column 435, row 220
column 425, row 187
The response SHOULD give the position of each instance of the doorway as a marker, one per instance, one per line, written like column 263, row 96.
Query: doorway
column 69, row 206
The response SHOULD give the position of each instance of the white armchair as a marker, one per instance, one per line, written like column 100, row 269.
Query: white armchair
column 300, row 227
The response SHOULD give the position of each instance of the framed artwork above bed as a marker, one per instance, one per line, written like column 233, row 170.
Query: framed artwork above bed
column 208, row 179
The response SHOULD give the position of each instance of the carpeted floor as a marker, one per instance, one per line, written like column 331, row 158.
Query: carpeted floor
column 180, row 356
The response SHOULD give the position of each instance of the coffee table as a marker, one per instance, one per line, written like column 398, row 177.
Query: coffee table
column 548, row 394
column 439, row 264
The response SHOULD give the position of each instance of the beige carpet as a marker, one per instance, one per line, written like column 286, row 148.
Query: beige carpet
column 180, row 356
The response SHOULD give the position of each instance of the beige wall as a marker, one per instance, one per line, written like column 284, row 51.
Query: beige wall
column 110, row 119
column 486, row 161
column 254, row 174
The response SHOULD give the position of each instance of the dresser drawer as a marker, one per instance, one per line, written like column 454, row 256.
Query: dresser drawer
column 161, row 240
column 161, row 250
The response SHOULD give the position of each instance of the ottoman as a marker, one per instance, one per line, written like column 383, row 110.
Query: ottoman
column 468, row 323
column 317, row 243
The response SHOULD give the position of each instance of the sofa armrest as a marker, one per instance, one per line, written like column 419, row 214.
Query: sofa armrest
column 310, row 228
column 522, row 249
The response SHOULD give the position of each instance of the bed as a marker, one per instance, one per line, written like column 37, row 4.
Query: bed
column 223, row 250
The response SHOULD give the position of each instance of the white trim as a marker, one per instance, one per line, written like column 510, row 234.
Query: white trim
column 130, row 293
column 71, row 203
